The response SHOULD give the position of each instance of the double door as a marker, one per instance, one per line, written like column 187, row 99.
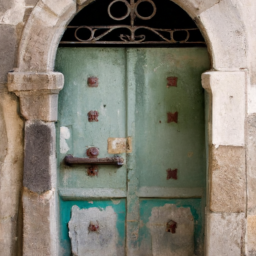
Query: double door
column 141, row 110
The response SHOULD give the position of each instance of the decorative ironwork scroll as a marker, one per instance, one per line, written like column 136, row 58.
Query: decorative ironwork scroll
column 132, row 38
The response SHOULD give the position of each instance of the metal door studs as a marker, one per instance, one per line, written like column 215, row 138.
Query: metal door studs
column 172, row 81
column 92, row 152
column 93, row 81
column 171, row 226
column 93, row 116
column 172, row 174
column 94, row 227
column 172, row 117
column 92, row 171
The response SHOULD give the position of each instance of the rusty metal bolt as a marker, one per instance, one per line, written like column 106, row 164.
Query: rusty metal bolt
column 92, row 152
column 171, row 226
column 93, row 116
column 172, row 117
column 172, row 81
column 172, row 174
column 93, row 81
column 94, row 227
column 92, row 171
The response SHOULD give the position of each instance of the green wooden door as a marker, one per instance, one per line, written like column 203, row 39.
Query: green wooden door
column 141, row 208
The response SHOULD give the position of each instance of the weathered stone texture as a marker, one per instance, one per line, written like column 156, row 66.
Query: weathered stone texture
column 51, row 81
column 11, row 11
column 195, row 7
column 225, row 33
column 8, row 42
column 39, row 151
column 38, row 46
column 11, row 166
column 39, row 224
column 226, row 233
column 38, row 94
column 228, row 106
column 227, row 175
column 36, row 106
column 251, row 164
column 5, row 5
column 251, row 235
column 31, row 2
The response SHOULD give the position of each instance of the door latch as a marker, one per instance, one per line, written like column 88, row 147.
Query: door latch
column 93, row 160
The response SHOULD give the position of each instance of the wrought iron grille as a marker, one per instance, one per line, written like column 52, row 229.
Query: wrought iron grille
column 97, row 34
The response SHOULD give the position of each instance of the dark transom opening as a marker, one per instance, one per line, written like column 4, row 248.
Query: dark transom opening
column 145, row 23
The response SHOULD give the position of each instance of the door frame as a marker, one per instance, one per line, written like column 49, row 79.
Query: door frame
column 37, row 86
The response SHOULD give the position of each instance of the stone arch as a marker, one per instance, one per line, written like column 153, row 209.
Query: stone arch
column 37, row 86
column 219, row 21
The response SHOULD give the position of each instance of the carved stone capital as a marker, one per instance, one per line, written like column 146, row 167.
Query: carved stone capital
column 38, row 94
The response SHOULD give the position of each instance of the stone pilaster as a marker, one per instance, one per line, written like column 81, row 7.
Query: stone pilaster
column 226, row 210
column 38, row 94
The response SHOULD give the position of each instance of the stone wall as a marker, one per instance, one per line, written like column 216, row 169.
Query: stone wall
column 13, row 16
column 230, row 31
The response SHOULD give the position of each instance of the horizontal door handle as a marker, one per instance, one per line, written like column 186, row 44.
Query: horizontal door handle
column 70, row 160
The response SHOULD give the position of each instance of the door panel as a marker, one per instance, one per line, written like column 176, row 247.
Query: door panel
column 77, row 100
column 188, row 236
column 75, row 218
column 161, row 145
column 133, row 101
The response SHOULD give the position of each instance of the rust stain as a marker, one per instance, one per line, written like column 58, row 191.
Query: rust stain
column 92, row 152
column 171, row 226
column 172, row 81
column 172, row 174
column 93, row 81
column 93, row 171
column 94, row 227
column 93, row 116
column 172, row 117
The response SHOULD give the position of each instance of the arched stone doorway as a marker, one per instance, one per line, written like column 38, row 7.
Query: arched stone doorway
column 37, row 86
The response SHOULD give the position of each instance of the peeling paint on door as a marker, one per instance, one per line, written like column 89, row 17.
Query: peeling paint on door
column 85, row 242
column 64, row 135
column 181, row 243
column 119, row 145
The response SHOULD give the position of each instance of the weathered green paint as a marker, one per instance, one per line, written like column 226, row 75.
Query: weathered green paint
column 77, row 99
column 133, row 100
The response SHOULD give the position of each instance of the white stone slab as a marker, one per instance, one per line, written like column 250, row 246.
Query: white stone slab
column 228, row 106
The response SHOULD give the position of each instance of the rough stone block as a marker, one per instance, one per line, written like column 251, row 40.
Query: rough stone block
column 5, row 5
column 251, row 235
column 31, row 2
column 20, row 81
column 227, row 174
column 11, row 171
column 11, row 11
column 8, row 42
column 225, row 235
column 39, row 224
column 42, row 34
column 39, row 106
column 251, row 164
column 39, row 161
column 226, row 35
column 59, row 7
column 195, row 7
column 228, row 106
